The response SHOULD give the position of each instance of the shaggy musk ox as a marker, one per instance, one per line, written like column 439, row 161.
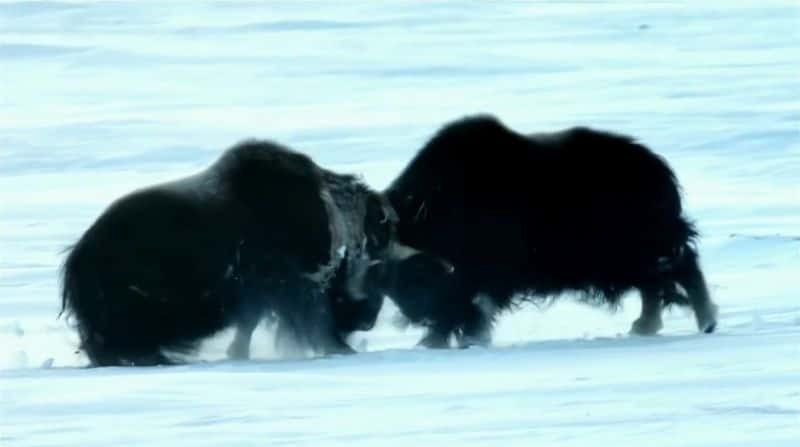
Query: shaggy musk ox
column 263, row 232
column 531, row 216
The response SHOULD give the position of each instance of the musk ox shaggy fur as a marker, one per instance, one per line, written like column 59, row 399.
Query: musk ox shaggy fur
column 262, row 233
column 527, row 217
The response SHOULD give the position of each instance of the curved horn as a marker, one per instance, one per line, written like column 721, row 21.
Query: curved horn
column 400, row 252
column 389, row 214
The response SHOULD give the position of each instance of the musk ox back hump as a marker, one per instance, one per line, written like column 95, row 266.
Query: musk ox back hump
column 473, row 151
column 281, row 191
column 472, row 171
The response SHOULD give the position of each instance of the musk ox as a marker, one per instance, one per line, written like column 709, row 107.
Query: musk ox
column 262, row 233
column 527, row 217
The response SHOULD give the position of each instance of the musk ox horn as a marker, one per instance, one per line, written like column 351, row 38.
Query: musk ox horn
column 400, row 252
column 389, row 214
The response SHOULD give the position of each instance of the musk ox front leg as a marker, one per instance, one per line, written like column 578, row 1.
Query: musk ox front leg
column 250, row 295
column 685, row 272
column 437, row 336
column 429, row 292
column 649, row 322
column 309, row 322
column 478, row 322
column 464, row 313
column 325, row 338
column 239, row 348
column 469, row 323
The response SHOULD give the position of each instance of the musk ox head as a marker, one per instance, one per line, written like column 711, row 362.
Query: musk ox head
column 382, row 244
column 397, row 268
column 414, row 283
column 383, row 263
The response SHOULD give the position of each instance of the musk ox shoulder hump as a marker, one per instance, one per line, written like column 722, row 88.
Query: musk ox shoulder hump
column 261, row 158
column 468, row 143
column 472, row 123
column 466, row 132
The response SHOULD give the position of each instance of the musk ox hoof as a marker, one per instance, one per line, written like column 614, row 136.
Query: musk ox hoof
column 238, row 351
column 707, row 321
column 339, row 350
column 435, row 341
column 482, row 340
column 470, row 342
column 646, row 326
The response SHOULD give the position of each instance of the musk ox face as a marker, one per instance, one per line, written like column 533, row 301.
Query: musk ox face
column 412, row 199
column 380, row 225
column 387, row 266
column 382, row 242
column 414, row 283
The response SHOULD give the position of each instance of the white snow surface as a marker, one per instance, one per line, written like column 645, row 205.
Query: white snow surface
column 100, row 98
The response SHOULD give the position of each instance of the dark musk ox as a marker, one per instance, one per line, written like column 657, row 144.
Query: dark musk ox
column 527, row 217
column 262, row 233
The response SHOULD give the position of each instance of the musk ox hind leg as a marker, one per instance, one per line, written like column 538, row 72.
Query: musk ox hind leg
column 689, row 276
column 104, row 353
column 101, row 357
column 108, row 318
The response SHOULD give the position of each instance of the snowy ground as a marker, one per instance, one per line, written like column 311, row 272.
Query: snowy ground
column 98, row 98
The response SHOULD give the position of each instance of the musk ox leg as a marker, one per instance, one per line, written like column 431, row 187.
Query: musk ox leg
column 239, row 348
column 306, row 322
column 152, row 359
column 475, row 333
column 292, row 339
column 468, row 320
column 690, row 277
column 326, row 338
column 101, row 353
column 442, row 320
column 477, row 328
column 289, row 341
column 335, row 343
column 649, row 322
column 98, row 352
column 436, row 337
column 252, row 301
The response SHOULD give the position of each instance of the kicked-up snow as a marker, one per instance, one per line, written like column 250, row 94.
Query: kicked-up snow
column 100, row 98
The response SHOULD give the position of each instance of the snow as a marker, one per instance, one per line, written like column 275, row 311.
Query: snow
column 101, row 98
